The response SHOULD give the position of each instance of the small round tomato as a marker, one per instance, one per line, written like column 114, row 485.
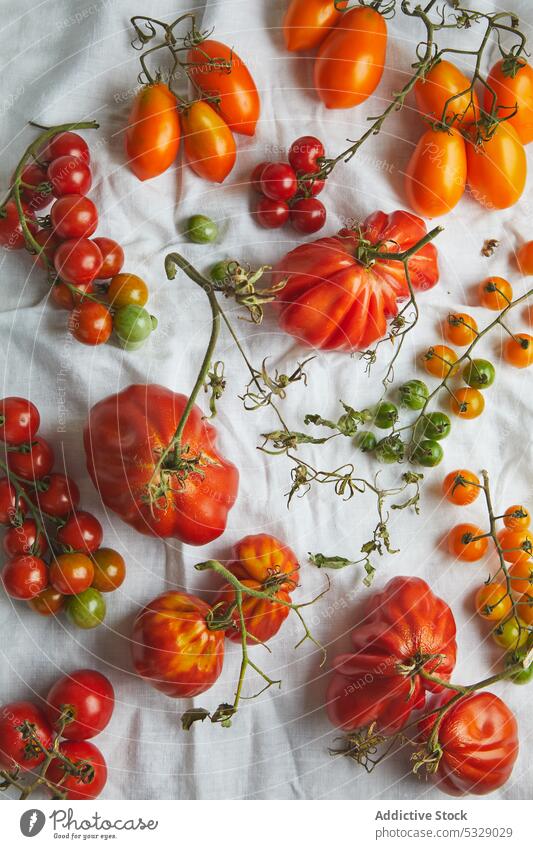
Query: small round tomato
column 64, row 295
column 11, row 507
column 439, row 361
column 33, row 460
column 435, row 178
column 81, row 532
column 467, row 403
column 91, row 323
column 525, row 608
column 66, row 144
column 461, row 487
column 524, row 258
column 440, row 84
column 497, row 167
column 13, row 747
column 49, row 243
column 69, row 175
column 133, row 325
column 366, row 441
column 25, row 538
column 278, row 181
column 479, row 374
column 71, row 574
column 493, row 602
column 521, row 574
column 510, row 86
column 92, row 778
column 511, row 635
column 255, row 176
column 74, row 217
column 48, row 603
column 40, row 195
column 87, row 698
column 433, row 426
column 518, row 350
column 516, row 517
column 109, row 570
column 428, row 453
column 78, row 261
column 308, row 215
column 304, row 154
column 385, row 415
column 208, row 141
column 19, row 420
column 464, row 544
column 127, row 289
column 11, row 235
column 87, row 609
column 25, row 576
column 310, row 188
column 113, row 257
column 201, row 229
column 413, row 394
column 58, row 495
column 153, row 133
column 391, row 449
column 523, row 676
column 272, row 213
column 517, row 546
column 495, row 293
column 460, row 328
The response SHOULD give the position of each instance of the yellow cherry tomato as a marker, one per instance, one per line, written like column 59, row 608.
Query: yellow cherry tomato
column 524, row 258
column 439, row 361
column 461, row 487
column 518, row 350
column 467, row 542
column 467, row 403
column 460, row 328
column 495, row 293
column 513, row 520
column 517, row 545
column 522, row 576
column 525, row 608
column 127, row 289
column 493, row 602
column 511, row 635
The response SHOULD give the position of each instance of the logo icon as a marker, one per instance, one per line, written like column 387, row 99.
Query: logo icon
column 32, row 822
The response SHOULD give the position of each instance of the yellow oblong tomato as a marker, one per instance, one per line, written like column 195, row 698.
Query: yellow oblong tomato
column 239, row 100
column 512, row 91
column 350, row 61
column 443, row 81
column 153, row 132
column 435, row 179
column 307, row 22
column 497, row 168
column 209, row 142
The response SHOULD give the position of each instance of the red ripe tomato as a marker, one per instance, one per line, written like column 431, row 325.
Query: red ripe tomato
column 64, row 298
column 333, row 300
column 307, row 23
column 25, row 539
column 25, row 576
column 208, row 141
column 81, row 532
column 19, row 420
column 381, row 681
column 74, row 217
column 72, row 573
column 91, row 782
column 172, row 647
column 50, row 243
column 12, row 745
column 308, row 215
column 11, row 235
column 479, row 741
column 272, row 214
column 33, row 460
column 239, row 102
column 66, row 144
column 278, row 181
column 58, row 495
column 78, row 261
column 91, row 323
column 255, row 177
column 304, row 154
column 11, row 508
column 512, row 84
column 262, row 618
column 48, row 603
column 350, row 60
column 69, row 175
column 113, row 257
column 87, row 697
column 36, row 198
column 124, row 438
column 153, row 132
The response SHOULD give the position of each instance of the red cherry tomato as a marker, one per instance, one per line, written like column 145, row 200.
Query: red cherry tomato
column 64, row 298
column 272, row 213
column 74, row 217
column 35, row 175
column 113, row 256
column 33, row 460
column 11, row 236
column 12, row 745
column 311, row 187
column 10, row 507
column 19, row 420
column 308, row 215
column 304, row 153
column 50, row 243
column 25, row 576
column 278, row 181
column 72, row 573
column 91, row 323
column 81, row 532
column 25, row 539
column 58, row 495
column 89, row 699
column 69, row 175
column 78, row 260
column 93, row 779
column 255, row 177
column 48, row 603
column 109, row 570
column 66, row 144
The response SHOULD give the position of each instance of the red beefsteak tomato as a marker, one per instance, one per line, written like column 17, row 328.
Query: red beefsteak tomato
column 406, row 629
column 191, row 494
column 173, row 648
column 339, row 293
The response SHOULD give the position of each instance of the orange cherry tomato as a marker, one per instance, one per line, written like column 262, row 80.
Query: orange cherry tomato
column 461, row 487
column 522, row 576
column 442, row 82
column 126, row 289
column 439, row 361
column 239, row 100
column 209, row 142
column 525, row 608
column 350, row 60
column 307, row 23
column 435, row 179
column 516, row 522
column 495, row 293
column 468, row 403
column 463, row 545
column 517, row 546
column 153, row 132
column 524, row 258
column 460, row 328
column 512, row 83
column 493, row 602
column 497, row 168
column 518, row 350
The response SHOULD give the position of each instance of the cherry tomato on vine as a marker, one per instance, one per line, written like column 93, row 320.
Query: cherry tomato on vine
column 49, row 242
column 390, row 449
column 307, row 23
column 19, row 420
column 493, row 602
column 81, row 532
column 521, row 574
column 25, row 539
column 310, row 188
column 278, row 181
column 78, row 261
column 517, row 517
column 435, row 179
column 439, row 85
column 467, row 403
column 523, row 676
column 461, row 487
column 25, row 576
column 11, row 235
column 272, row 213
column 208, row 141
column 48, row 603
column 495, row 293
column 74, row 217
column 133, row 325
column 413, row 394
column 91, row 323
column 33, row 460
column 153, row 133
column 439, row 361
column 511, row 80
column 497, row 167
column 89, row 699
column 366, row 441
column 308, row 215
column 385, row 415
column 517, row 545
column 255, row 176
column 13, row 747
column 429, row 453
column 433, row 426
column 127, row 289
column 460, row 329
column 518, row 350
column 463, row 545
column 524, row 258
column 69, row 175
column 71, row 574
column 112, row 255
column 66, row 299
column 304, row 154
column 36, row 198
column 479, row 374
column 11, row 507
column 91, row 782
column 109, row 570
column 57, row 495
column 511, row 635
column 66, row 144
column 87, row 609
column 525, row 608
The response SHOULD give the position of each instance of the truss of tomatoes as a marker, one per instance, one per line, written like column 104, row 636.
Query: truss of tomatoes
column 54, row 556
column 78, row 265
column 77, row 708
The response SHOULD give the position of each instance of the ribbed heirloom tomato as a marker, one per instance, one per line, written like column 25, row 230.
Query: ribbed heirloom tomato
column 172, row 647
column 339, row 293
column 307, row 23
column 406, row 630
column 153, row 133
column 435, row 179
column 124, row 438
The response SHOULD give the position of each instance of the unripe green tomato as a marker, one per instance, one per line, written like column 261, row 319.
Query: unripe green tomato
column 87, row 609
column 385, row 415
column 479, row 374
column 524, row 676
column 413, row 394
column 365, row 441
column 220, row 270
column 201, row 229
column 511, row 635
column 429, row 453
column 432, row 426
column 133, row 325
column 390, row 450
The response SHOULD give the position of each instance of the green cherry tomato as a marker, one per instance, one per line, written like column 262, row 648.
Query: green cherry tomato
column 385, row 415
column 133, row 325
column 220, row 270
column 525, row 675
column 365, row 441
column 511, row 635
column 433, row 426
column 413, row 394
column 86, row 610
column 390, row 449
column 428, row 453
column 201, row 229
column 479, row 374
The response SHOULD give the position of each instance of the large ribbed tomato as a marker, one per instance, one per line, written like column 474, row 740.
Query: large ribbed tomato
column 173, row 648
column 307, row 22
column 153, row 132
column 124, row 438
column 406, row 628
column 339, row 297
column 478, row 737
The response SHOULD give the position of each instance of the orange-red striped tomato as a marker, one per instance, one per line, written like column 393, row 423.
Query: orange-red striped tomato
column 153, row 132
column 209, row 142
